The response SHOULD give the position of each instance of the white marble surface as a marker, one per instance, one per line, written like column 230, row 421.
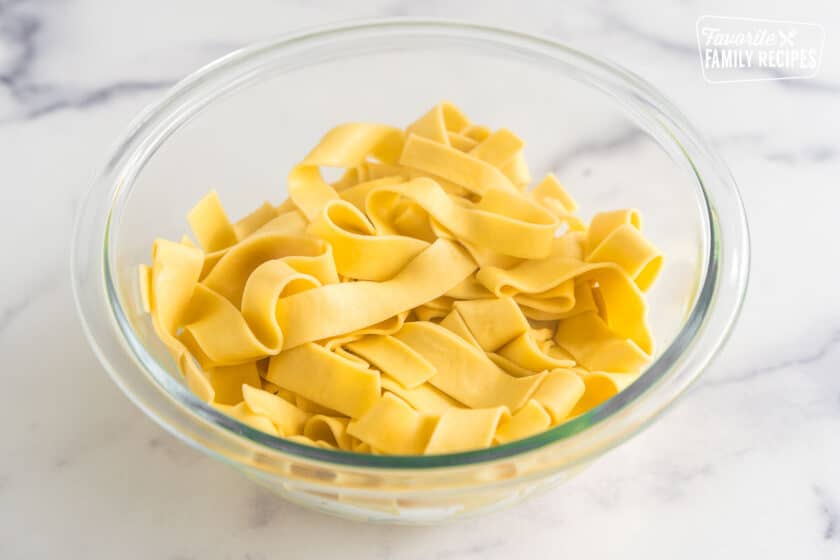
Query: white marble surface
column 747, row 465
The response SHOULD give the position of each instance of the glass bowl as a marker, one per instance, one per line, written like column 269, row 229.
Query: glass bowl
column 239, row 124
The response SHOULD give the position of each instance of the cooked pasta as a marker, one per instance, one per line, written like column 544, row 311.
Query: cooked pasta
column 426, row 302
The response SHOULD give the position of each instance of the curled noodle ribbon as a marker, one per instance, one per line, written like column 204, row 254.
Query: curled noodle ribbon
column 426, row 302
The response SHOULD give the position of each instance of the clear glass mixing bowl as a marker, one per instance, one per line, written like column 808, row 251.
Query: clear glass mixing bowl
column 240, row 123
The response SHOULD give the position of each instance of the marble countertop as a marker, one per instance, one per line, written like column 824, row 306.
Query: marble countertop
column 747, row 465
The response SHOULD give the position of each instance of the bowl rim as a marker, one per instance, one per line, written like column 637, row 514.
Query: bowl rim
column 726, row 260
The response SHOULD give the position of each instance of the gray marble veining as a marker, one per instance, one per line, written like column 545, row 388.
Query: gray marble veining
column 745, row 466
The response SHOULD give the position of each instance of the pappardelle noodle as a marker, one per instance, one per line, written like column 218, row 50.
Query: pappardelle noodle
column 426, row 302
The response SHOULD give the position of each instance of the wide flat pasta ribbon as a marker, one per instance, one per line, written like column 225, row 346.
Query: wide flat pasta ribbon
column 424, row 397
column 345, row 307
column 423, row 303
column 229, row 382
column 439, row 123
column 498, row 327
column 344, row 146
column 245, row 415
column 360, row 253
column 588, row 338
column 408, row 430
column 221, row 333
column 527, row 231
column 287, row 418
column 463, row 371
column 269, row 282
column 395, row 358
column 210, row 224
column 464, row 429
column 229, row 276
column 600, row 387
column 616, row 237
column 317, row 374
column 453, row 165
column 492, row 322
column 531, row 419
column 551, row 194
column 499, row 148
column 624, row 303
column 215, row 232
column 168, row 287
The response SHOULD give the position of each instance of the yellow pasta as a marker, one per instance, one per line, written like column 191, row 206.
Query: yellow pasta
column 394, row 358
column 408, row 429
column 529, row 420
column 460, row 429
column 426, row 302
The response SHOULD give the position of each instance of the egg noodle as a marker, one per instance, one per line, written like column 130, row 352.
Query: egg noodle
column 424, row 303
